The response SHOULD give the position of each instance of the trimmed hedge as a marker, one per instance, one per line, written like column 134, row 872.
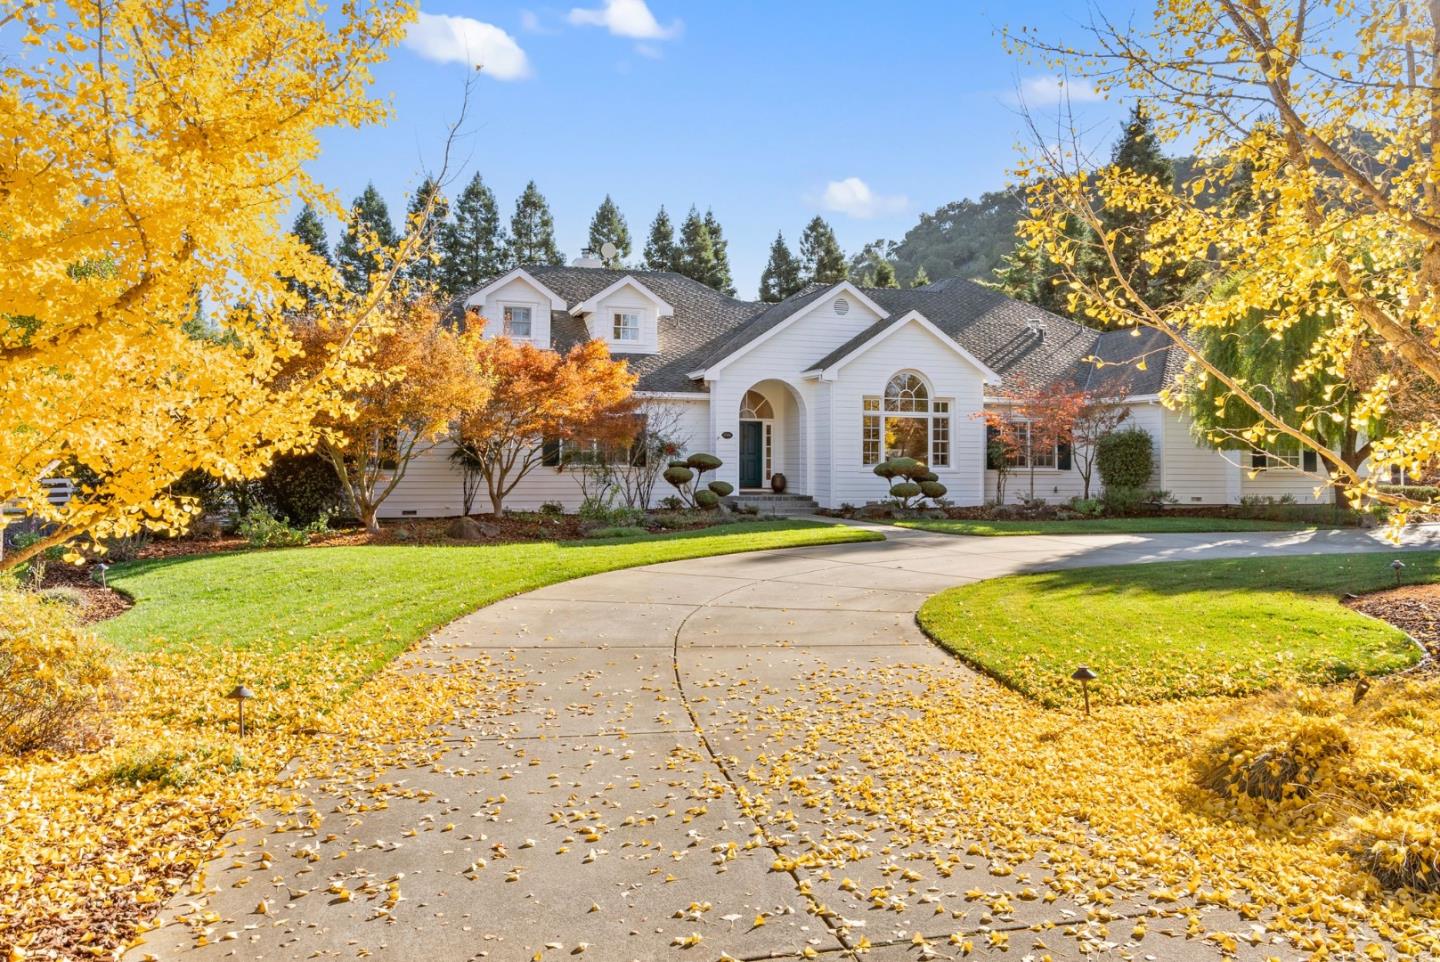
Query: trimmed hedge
column 1125, row 459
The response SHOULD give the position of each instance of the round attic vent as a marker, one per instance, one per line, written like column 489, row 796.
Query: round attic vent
column 842, row 306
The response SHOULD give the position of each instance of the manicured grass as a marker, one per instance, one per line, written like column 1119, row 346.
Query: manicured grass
column 1179, row 524
column 384, row 598
column 1159, row 631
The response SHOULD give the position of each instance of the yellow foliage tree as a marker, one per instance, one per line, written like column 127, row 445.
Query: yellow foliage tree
column 1316, row 194
column 422, row 375
column 148, row 149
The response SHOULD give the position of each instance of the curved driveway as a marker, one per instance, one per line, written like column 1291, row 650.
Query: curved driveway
column 594, row 815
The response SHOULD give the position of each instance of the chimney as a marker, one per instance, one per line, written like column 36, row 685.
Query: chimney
column 587, row 258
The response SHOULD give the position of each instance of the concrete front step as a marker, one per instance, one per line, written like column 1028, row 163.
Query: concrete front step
column 778, row 504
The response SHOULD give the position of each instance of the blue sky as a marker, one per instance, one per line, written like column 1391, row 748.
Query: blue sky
column 768, row 112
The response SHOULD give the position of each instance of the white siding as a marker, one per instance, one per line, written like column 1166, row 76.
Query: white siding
column 520, row 293
column 431, row 486
column 601, row 324
column 1276, row 482
column 916, row 349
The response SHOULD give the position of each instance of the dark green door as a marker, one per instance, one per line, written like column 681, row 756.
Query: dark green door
column 752, row 454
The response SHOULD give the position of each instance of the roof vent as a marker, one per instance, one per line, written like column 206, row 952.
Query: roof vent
column 842, row 306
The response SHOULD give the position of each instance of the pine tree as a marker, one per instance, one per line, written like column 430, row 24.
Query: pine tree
column 472, row 245
column 721, row 279
column 660, row 250
column 532, row 230
column 695, row 257
column 820, row 256
column 884, row 275
column 608, row 226
column 921, row 278
column 353, row 256
column 309, row 229
column 1138, row 151
column 424, row 270
column 782, row 273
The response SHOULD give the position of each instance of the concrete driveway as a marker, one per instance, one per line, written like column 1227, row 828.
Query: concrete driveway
column 599, row 812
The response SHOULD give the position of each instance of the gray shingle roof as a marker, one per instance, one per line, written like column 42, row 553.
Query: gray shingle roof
column 1000, row 331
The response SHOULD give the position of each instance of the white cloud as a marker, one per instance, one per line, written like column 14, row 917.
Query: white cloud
column 854, row 197
column 463, row 40
column 1047, row 91
column 625, row 18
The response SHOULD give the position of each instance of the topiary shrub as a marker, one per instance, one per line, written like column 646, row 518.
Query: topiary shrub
column 913, row 477
column 1125, row 459
column 707, row 499
column 886, row 470
column 722, row 488
column 678, row 475
column 905, row 490
column 685, row 477
column 56, row 678
column 703, row 462
column 933, row 489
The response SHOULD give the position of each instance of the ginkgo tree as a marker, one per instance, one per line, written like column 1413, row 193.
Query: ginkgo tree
column 150, row 148
column 1315, row 200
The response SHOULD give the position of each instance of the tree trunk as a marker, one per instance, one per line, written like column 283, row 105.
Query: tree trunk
column 370, row 517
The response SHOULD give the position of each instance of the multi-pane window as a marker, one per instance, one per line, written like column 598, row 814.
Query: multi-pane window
column 1045, row 456
column 906, row 422
column 517, row 321
column 870, row 436
column 940, row 434
column 1307, row 460
column 626, row 326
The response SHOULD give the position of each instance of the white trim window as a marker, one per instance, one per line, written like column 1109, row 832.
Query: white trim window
column 1055, row 457
column 517, row 320
column 625, row 325
column 905, row 422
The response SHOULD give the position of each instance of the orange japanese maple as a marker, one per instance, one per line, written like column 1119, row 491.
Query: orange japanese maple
column 538, row 397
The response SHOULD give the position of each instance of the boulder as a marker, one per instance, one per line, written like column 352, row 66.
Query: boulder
column 468, row 529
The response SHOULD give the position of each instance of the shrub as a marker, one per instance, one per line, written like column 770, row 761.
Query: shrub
column 1123, row 499
column 301, row 488
column 722, row 488
column 264, row 530
column 595, row 511
column 685, row 477
column 678, row 475
column 1416, row 492
column 905, row 490
column 1280, row 761
column 56, row 679
column 126, row 548
column 933, row 489
column 552, row 509
column 671, row 503
column 1402, row 848
column 703, row 462
column 707, row 499
column 172, row 768
column 65, row 595
column 1126, row 458
column 1091, row 507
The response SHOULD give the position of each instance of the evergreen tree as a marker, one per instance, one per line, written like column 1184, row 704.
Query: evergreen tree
column 532, row 230
column 820, row 256
column 660, row 250
column 884, row 275
column 721, row 280
column 695, row 257
column 472, row 245
column 921, row 278
column 424, row 270
column 1138, row 151
column 309, row 229
column 352, row 256
column 782, row 273
column 608, row 225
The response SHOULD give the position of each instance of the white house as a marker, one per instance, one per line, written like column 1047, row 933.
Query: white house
column 825, row 384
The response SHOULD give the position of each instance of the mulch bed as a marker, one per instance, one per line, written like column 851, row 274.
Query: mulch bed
column 97, row 603
column 1414, row 609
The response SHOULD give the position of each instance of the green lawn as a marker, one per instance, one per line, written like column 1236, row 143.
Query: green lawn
column 1157, row 631
column 1161, row 525
column 384, row 598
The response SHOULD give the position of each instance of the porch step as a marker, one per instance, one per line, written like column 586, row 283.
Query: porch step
column 785, row 505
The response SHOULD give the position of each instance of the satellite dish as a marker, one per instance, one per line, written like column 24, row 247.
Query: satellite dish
column 608, row 251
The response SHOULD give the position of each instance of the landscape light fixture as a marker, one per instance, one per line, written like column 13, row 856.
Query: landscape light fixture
column 1397, row 566
column 240, row 695
column 1085, row 675
column 101, row 567
column 1362, row 688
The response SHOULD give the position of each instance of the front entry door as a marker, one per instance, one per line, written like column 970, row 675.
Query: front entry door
column 752, row 454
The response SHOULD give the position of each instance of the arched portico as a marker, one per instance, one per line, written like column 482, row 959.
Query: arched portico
column 770, row 431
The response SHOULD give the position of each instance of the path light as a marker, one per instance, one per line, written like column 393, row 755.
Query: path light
column 1362, row 687
column 240, row 696
column 101, row 567
column 1084, row 675
column 1397, row 566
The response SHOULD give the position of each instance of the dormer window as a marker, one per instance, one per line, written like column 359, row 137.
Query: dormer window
column 517, row 321
column 626, row 326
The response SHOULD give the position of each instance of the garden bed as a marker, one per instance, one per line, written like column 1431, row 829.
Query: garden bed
column 1414, row 609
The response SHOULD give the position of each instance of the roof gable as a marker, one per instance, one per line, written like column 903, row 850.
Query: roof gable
column 557, row 303
column 782, row 316
column 828, row 367
column 589, row 305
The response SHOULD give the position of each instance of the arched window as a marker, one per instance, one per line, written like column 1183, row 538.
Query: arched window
column 754, row 406
column 906, row 422
column 907, row 393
